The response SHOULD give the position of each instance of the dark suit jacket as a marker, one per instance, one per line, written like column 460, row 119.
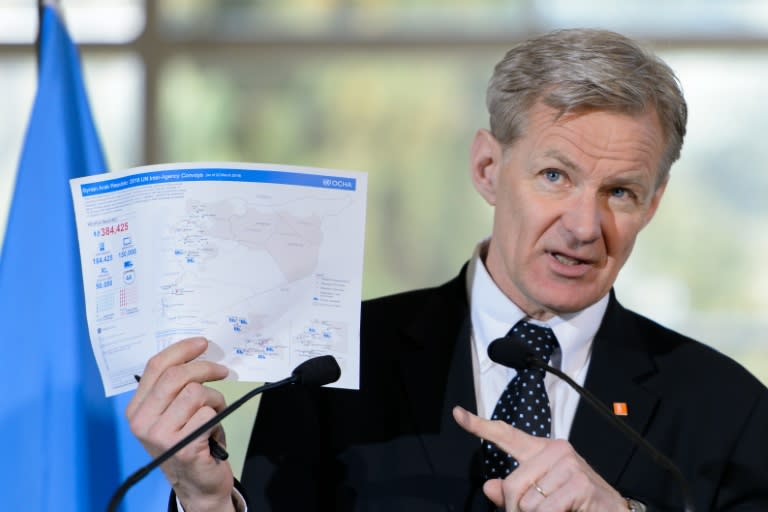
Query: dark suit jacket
column 393, row 445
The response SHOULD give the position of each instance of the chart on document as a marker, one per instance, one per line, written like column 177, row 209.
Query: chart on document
column 264, row 261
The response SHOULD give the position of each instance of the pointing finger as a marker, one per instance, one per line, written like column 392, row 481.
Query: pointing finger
column 515, row 442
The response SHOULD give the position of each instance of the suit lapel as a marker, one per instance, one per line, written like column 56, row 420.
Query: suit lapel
column 619, row 366
column 436, row 374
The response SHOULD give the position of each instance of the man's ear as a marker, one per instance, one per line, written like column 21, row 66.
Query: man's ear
column 485, row 161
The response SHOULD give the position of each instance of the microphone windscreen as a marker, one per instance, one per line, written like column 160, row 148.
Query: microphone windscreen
column 317, row 371
column 510, row 353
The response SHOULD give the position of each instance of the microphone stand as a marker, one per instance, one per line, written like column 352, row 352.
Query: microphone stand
column 317, row 371
column 140, row 473
column 600, row 407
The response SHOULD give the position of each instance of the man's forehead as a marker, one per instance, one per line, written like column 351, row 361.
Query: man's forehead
column 634, row 139
column 645, row 126
column 560, row 115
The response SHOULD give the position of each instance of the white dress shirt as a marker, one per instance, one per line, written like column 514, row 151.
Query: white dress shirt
column 493, row 314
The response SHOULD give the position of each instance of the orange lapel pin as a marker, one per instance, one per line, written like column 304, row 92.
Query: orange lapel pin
column 620, row 409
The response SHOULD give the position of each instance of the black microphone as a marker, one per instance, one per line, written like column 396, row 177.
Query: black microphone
column 512, row 353
column 317, row 371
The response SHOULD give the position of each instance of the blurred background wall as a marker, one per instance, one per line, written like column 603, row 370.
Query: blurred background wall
column 396, row 88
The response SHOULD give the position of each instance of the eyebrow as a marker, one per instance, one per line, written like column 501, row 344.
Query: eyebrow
column 623, row 180
column 553, row 153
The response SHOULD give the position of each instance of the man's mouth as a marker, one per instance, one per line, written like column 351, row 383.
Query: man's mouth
column 566, row 260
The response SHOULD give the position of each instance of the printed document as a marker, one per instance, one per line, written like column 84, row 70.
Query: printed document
column 265, row 261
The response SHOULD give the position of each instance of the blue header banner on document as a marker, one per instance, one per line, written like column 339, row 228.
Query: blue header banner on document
column 221, row 174
column 67, row 447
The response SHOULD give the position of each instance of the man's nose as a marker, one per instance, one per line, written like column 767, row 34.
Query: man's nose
column 583, row 219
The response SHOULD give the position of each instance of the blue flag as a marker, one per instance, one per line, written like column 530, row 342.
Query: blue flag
column 67, row 447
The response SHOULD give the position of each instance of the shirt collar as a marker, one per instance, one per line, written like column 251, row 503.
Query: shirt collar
column 493, row 314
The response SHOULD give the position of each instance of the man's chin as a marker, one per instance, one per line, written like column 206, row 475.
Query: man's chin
column 567, row 303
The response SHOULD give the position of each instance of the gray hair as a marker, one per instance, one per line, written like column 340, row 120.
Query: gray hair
column 582, row 69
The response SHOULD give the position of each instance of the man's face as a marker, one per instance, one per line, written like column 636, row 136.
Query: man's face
column 570, row 197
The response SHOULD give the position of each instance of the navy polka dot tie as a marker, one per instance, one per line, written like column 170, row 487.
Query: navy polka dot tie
column 524, row 404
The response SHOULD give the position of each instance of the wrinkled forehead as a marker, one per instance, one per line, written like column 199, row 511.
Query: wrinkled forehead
column 649, row 133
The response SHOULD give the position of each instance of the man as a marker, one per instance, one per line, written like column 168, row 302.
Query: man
column 584, row 128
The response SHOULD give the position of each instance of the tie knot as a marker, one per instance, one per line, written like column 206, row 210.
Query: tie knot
column 541, row 340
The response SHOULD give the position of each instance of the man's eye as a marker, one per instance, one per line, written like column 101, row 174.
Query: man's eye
column 621, row 193
column 552, row 175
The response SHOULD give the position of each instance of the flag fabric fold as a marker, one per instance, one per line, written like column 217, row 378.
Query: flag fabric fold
column 67, row 447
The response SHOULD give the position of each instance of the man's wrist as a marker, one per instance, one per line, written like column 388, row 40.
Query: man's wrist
column 236, row 499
